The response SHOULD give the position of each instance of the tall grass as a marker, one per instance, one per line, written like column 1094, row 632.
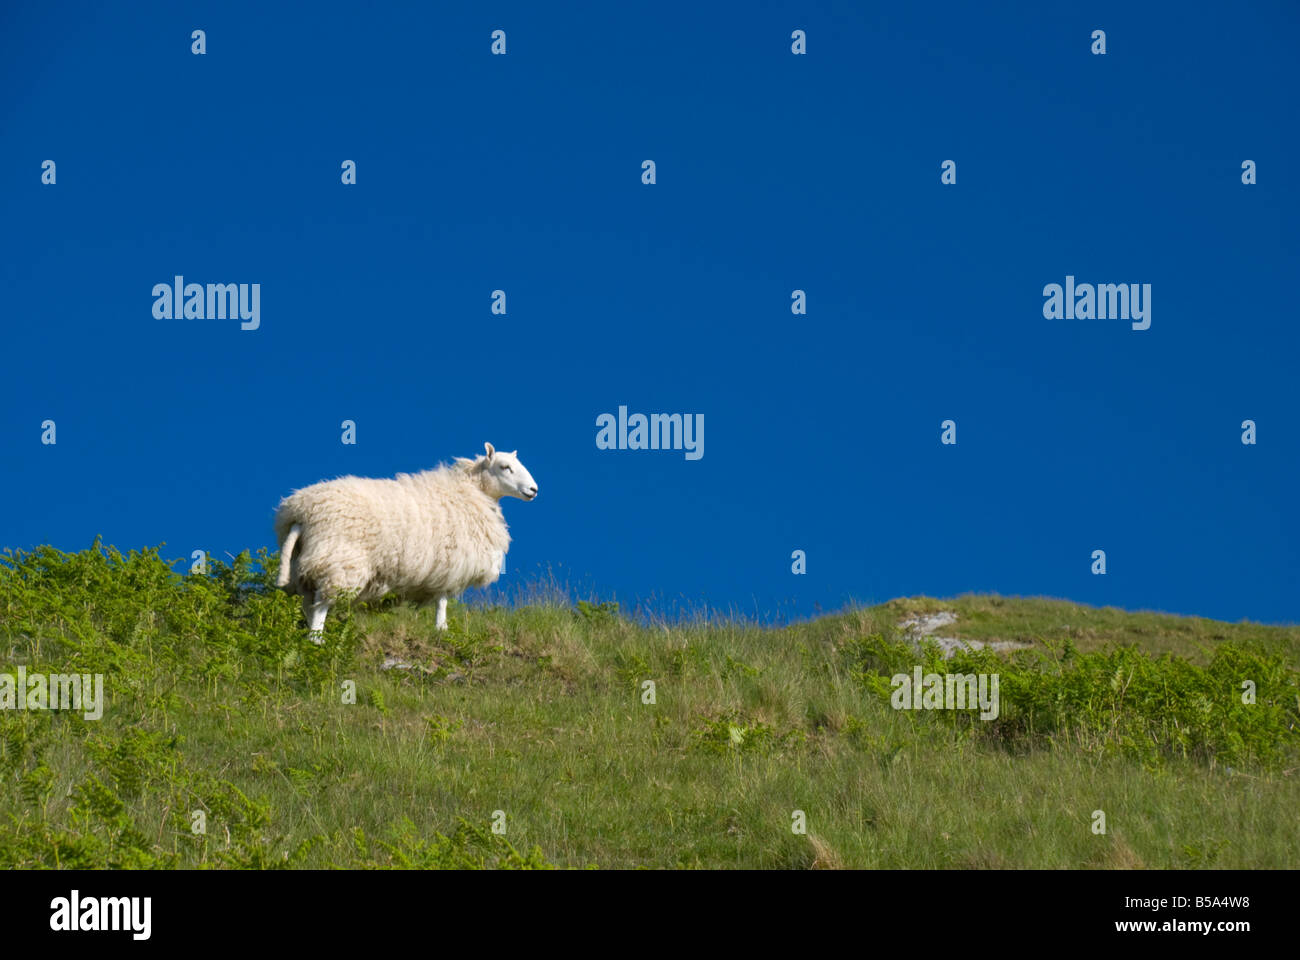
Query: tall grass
column 230, row 741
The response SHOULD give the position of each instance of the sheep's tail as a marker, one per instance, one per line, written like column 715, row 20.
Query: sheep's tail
column 286, row 555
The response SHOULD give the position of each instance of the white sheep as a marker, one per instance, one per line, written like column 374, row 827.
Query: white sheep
column 420, row 535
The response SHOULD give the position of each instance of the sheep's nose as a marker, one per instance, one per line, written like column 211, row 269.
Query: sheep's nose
column 532, row 491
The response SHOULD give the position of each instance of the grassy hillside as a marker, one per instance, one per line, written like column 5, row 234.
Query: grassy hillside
column 219, row 711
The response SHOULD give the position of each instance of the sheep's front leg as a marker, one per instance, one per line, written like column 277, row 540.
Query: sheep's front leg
column 442, row 613
column 315, row 611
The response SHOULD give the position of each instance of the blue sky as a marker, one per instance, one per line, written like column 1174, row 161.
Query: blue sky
column 775, row 172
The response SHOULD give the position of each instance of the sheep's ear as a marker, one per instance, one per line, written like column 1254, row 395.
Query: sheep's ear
column 490, row 450
column 515, row 452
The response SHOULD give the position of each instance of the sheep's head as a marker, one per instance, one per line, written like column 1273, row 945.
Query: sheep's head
column 505, row 476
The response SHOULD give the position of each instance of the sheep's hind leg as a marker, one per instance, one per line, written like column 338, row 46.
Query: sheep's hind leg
column 442, row 613
column 315, row 610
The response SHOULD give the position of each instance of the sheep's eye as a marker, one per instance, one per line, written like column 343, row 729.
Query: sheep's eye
column 504, row 467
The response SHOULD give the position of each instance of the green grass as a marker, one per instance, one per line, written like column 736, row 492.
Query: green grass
column 1038, row 620
column 217, row 705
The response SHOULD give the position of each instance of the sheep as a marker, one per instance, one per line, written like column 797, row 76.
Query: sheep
column 421, row 535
